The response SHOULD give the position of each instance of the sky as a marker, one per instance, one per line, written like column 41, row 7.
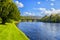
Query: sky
column 38, row 7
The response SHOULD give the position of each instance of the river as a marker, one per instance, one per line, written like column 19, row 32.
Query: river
column 40, row 30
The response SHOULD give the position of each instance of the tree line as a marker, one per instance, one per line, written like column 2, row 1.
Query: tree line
column 8, row 10
column 53, row 18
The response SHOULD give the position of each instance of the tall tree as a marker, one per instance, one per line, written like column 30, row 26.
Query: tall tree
column 8, row 10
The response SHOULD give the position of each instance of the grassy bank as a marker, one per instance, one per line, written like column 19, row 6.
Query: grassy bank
column 11, row 32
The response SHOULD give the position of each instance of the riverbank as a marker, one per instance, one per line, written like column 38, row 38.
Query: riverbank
column 10, row 32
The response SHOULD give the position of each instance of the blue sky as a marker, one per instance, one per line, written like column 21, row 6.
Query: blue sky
column 38, row 7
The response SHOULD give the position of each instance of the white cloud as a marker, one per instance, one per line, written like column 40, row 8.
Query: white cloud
column 52, row 4
column 38, row 2
column 29, row 14
column 19, row 4
column 53, row 0
column 49, row 12
column 52, row 9
column 41, row 8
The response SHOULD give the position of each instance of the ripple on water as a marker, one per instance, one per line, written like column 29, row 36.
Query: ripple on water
column 41, row 31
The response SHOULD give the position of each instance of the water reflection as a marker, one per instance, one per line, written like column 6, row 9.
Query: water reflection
column 41, row 31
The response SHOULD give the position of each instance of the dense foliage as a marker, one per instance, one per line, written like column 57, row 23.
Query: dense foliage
column 8, row 10
column 54, row 18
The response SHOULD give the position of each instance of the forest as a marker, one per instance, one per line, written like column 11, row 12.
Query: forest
column 53, row 18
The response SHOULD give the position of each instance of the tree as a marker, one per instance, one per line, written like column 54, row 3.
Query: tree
column 8, row 10
column 53, row 18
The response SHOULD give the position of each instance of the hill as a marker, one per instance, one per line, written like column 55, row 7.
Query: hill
column 53, row 18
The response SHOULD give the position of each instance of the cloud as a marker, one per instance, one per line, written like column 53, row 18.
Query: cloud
column 19, row 4
column 52, row 9
column 38, row 2
column 49, row 12
column 52, row 4
column 53, row 0
column 42, row 9
column 29, row 14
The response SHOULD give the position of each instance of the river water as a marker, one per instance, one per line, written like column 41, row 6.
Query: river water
column 40, row 30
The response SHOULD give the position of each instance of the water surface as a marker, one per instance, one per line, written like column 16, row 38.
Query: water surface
column 40, row 30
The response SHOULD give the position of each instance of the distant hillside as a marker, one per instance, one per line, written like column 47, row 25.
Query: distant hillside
column 54, row 18
column 11, row 32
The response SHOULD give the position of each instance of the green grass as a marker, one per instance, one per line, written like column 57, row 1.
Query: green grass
column 11, row 32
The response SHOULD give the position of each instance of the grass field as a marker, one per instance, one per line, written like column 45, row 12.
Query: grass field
column 10, row 32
